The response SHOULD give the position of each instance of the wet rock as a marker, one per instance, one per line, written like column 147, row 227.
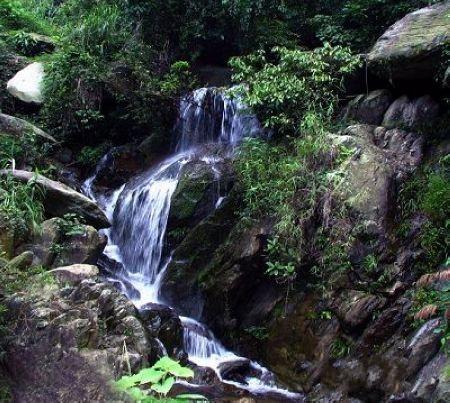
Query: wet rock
column 164, row 324
column 432, row 383
column 414, row 114
column 122, row 163
column 19, row 127
column 75, row 273
column 82, row 248
column 357, row 308
column 370, row 108
column 181, row 285
column 386, row 324
column 423, row 346
column 26, row 85
column 60, row 199
column 411, row 48
column 237, row 370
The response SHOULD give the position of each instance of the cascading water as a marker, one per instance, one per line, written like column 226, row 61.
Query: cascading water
column 139, row 213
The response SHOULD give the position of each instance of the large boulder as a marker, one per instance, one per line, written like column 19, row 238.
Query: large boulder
column 381, row 158
column 411, row 48
column 84, row 247
column 60, row 199
column 19, row 127
column 199, row 190
column 414, row 114
column 26, row 85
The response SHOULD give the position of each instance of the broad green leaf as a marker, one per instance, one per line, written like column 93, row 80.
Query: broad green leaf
column 182, row 372
column 150, row 375
column 164, row 388
column 137, row 394
column 126, row 382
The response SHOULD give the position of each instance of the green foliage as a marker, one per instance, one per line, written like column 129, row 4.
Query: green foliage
column 258, row 332
column 104, row 79
column 90, row 155
column 24, row 15
column 71, row 224
column 340, row 349
column 296, row 89
column 20, row 204
column 26, row 149
column 428, row 192
column 30, row 281
column 158, row 379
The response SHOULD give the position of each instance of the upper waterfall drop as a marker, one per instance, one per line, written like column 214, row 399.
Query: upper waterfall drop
column 210, row 116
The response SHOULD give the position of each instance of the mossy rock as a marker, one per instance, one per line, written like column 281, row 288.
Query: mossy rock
column 412, row 47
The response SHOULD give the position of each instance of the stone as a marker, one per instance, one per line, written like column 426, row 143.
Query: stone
column 423, row 346
column 60, row 199
column 386, row 324
column 164, row 324
column 19, row 127
column 195, row 197
column 357, row 308
column 48, row 236
column 413, row 114
column 446, row 79
column 369, row 108
column 75, row 273
column 411, row 48
column 21, row 262
column 26, row 85
column 381, row 159
column 237, row 370
column 84, row 248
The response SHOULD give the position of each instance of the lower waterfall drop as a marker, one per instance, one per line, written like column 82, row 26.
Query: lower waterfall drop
column 139, row 213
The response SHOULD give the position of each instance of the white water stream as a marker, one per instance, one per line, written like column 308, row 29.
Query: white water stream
column 139, row 213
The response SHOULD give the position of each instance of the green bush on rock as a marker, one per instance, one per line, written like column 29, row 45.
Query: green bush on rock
column 297, row 90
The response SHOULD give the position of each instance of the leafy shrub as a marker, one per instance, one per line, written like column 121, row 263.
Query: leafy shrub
column 20, row 204
column 340, row 349
column 22, row 15
column 71, row 224
column 296, row 89
column 27, row 149
column 428, row 191
column 104, row 80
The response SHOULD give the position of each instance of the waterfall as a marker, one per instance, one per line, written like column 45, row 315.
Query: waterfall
column 139, row 212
